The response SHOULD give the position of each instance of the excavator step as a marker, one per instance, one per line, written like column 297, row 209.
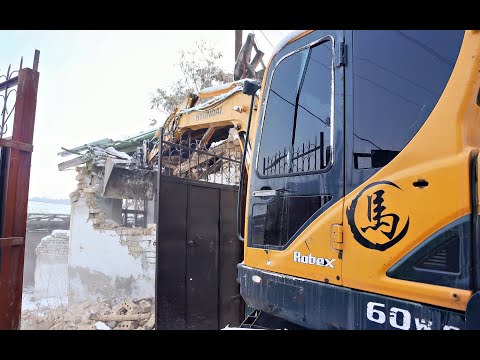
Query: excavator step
column 260, row 320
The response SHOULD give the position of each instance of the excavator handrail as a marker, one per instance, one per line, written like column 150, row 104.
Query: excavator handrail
column 249, row 88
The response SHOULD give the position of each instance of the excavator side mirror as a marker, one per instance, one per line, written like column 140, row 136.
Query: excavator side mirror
column 250, row 87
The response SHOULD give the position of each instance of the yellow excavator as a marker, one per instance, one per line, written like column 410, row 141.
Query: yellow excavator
column 362, row 206
column 227, row 108
column 218, row 108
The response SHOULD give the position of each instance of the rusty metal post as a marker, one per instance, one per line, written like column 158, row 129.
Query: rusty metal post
column 238, row 42
column 18, row 179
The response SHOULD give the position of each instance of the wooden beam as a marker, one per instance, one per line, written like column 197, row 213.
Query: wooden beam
column 11, row 241
column 16, row 145
column 238, row 42
column 187, row 165
column 206, row 137
column 70, row 163
column 258, row 57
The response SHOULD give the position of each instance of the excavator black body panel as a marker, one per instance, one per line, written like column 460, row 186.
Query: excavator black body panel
column 317, row 305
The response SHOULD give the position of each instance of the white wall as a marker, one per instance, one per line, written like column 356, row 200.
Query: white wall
column 51, row 276
column 51, row 265
column 108, row 263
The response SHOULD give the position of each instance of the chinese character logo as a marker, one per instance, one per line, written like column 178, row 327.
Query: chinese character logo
column 376, row 217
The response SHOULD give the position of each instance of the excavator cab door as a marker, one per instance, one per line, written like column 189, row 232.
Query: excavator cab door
column 298, row 164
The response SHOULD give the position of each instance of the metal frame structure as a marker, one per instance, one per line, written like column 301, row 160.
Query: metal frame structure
column 185, row 159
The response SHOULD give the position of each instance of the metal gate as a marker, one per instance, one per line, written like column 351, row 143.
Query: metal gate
column 18, row 96
column 197, row 248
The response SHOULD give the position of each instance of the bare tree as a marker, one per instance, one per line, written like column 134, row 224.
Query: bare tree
column 200, row 69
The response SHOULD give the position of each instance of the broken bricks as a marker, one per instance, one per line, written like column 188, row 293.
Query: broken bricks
column 112, row 324
column 128, row 307
column 86, row 327
column 125, row 325
column 150, row 324
column 127, row 315
column 145, row 306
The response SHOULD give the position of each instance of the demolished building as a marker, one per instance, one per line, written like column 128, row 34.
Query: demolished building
column 117, row 220
column 114, row 209
column 112, row 250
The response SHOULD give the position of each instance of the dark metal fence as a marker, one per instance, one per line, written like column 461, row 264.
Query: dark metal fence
column 184, row 159
column 18, row 100
column 310, row 156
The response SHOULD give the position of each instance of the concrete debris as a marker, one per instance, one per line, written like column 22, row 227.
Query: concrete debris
column 86, row 327
column 84, row 305
column 125, row 325
column 112, row 324
column 97, row 154
column 110, row 151
column 150, row 324
column 145, row 306
column 127, row 315
column 46, row 325
column 101, row 326
column 128, row 307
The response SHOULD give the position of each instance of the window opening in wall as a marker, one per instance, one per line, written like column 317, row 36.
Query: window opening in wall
column 133, row 212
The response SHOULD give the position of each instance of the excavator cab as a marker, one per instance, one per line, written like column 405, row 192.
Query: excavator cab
column 362, row 198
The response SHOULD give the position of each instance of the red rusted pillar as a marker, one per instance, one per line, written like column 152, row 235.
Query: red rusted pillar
column 17, row 183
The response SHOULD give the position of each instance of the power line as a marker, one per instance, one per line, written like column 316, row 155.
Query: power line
column 267, row 39
column 390, row 91
column 415, row 41
column 398, row 75
column 378, row 147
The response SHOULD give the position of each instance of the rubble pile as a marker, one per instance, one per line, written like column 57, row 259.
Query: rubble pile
column 127, row 315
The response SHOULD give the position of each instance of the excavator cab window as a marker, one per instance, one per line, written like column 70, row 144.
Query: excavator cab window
column 296, row 144
column 398, row 77
column 297, row 128
column 275, row 223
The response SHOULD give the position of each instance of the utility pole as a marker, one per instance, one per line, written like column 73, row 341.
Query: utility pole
column 238, row 42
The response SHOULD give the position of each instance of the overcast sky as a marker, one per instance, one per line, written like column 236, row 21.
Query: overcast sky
column 97, row 84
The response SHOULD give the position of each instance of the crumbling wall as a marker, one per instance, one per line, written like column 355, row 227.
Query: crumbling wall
column 106, row 260
column 32, row 239
column 51, row 265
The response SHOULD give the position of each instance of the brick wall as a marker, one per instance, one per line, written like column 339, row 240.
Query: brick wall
column 56, row 243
